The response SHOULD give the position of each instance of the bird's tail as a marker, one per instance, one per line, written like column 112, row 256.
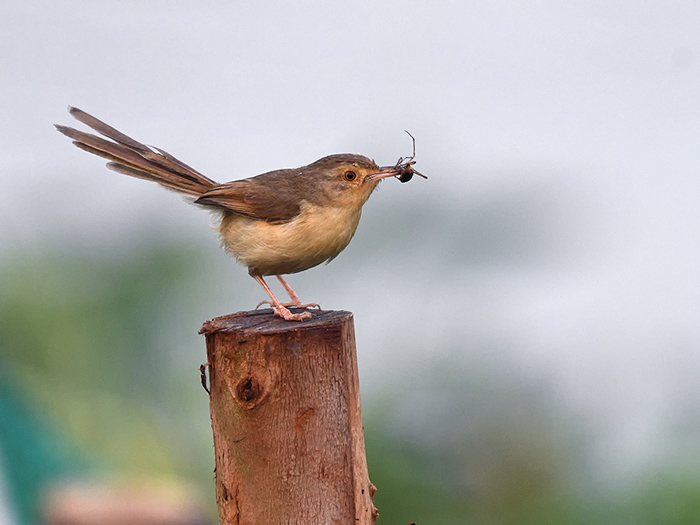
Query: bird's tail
column 133, row 158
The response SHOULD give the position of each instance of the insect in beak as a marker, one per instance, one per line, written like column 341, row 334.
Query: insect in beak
column 402, row 170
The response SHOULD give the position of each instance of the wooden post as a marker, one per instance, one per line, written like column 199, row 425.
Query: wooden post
column 287, row 423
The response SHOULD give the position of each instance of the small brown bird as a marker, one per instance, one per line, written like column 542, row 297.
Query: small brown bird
column 283, row 221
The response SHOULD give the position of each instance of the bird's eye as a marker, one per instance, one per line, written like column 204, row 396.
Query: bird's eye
column 350, row 175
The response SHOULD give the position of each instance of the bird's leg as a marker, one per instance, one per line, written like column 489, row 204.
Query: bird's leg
column 294, row 297
column 278, row 307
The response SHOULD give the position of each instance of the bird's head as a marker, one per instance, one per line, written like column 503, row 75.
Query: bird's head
column 348, row 179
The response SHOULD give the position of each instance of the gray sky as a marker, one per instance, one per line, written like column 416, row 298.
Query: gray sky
column 561, row 141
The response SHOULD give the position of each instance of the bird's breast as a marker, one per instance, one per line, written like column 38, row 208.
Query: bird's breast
column 317, row 234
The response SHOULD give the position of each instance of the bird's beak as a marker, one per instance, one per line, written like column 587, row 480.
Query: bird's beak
column 386, row 171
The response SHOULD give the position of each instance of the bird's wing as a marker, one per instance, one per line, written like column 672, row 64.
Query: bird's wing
column 273, row 197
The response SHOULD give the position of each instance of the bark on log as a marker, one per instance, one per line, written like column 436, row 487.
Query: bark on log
column 286, row 418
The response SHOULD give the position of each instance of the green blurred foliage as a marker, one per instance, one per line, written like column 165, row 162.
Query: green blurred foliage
column 489, row 445
column 669, row 495
column 459, row 446
column 91, row 343
column 32, row 454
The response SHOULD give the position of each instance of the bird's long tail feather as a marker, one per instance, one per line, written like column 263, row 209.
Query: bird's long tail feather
column 133, row 158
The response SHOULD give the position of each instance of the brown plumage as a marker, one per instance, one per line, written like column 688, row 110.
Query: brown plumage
column 283, row 221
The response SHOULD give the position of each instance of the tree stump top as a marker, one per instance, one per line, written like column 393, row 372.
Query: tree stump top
column 265, row 322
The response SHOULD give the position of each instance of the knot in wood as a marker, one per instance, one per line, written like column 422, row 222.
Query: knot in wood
column 248, row 389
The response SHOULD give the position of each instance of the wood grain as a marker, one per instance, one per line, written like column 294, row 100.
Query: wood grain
column 287, row 421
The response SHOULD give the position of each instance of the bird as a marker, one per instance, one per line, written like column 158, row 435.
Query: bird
column 277, row 223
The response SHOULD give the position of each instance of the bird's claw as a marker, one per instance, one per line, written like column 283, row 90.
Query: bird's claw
column 289, row 304
column 262, row 303
column 285, row 314
column 307, row 305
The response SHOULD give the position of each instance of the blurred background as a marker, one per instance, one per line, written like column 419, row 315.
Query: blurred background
column 527, row 318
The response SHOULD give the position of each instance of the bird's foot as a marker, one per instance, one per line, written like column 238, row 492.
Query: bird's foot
column 280, row 309
column 300, row 305
column 284, row 313
column 293, row 304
